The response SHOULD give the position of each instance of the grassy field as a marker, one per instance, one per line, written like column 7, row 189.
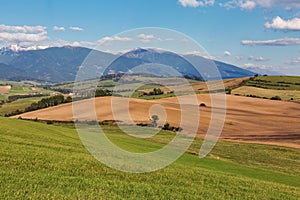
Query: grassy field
column 276, row 82
column 19, row 104
column 286, row 87
column 41, row 161
column 23, row 90
column 287, row 95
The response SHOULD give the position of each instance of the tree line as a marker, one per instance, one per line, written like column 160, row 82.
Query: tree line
column 56, row 100
column 43, row 103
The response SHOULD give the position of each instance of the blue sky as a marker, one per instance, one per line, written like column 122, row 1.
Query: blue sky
column 258, row 35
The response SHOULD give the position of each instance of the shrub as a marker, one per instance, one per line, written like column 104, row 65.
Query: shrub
column 49, row 122
column 168, row 127
column 276, row 98
column 156, row 91
column 154, row 119
column 228, row 91
column 142, row 124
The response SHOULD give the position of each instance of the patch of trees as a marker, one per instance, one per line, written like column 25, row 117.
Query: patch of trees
column 156, row 91
column 102, row 93
column 2, row 102
column 166, row 126
column 56, row 100
column 255, row 96
column 61, row 90
column 228, row 91
column 276, row 98
column 16, row 97
column 46, row 102
column 43, row 103
column 196, row 78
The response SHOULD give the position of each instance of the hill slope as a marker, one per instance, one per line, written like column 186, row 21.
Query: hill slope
column 44, row 161
column 251, row 121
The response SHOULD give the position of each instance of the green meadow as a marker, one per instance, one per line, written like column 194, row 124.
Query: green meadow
column 40, row 161
column 19, row 104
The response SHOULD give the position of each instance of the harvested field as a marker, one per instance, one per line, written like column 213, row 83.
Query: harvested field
column 248, row 119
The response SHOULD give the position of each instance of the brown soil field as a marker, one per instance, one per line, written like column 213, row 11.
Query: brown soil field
column 5, row 89
column 247, row 119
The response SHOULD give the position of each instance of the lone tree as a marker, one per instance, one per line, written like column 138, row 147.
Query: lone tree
column 154, row 119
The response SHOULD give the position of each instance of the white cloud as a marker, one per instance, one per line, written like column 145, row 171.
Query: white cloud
column 57, row 28
column 107, row 40
column 227, row 53
column 196, row 3
column 254, row 67
column 276, row 42
column 16, row 47
column 258, row 59
column 202, row 54
column 75, row 28
column 196, row 53
column 251, row 4
column 243, row 4
column 248, row 65
column 247, row 5
column 22, row 35
column 279, row 23
column 22, row 29
column 145, row 38
column 239, row 57
column 295, row 61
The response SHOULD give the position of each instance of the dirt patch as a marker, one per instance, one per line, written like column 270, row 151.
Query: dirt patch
column 35, row 89
column 5, row 89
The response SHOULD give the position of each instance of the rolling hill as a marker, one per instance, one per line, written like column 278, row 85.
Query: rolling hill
column 40, row 161
column 247, row 119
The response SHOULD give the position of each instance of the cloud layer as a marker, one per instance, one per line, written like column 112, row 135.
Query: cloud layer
column 243, row 4
column 280, row 24
column 57, row 28
column 22, row 34
column 196, row 3
column 276, row 42
column 75, row 28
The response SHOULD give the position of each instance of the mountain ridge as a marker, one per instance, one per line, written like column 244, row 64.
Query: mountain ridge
column 60, row 64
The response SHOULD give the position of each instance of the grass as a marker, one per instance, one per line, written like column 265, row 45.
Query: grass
column 19, row 104
column 286, row 87
column 23, row 90
column 41, row 161
column 139, row 95
column 276, row 82
column 286, row 95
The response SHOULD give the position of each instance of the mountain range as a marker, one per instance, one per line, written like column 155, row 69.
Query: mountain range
column 60, row 64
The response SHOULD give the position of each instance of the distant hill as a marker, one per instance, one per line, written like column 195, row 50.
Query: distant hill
column 60, row 64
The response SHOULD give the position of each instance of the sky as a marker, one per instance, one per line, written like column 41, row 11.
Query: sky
column 260, row 35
